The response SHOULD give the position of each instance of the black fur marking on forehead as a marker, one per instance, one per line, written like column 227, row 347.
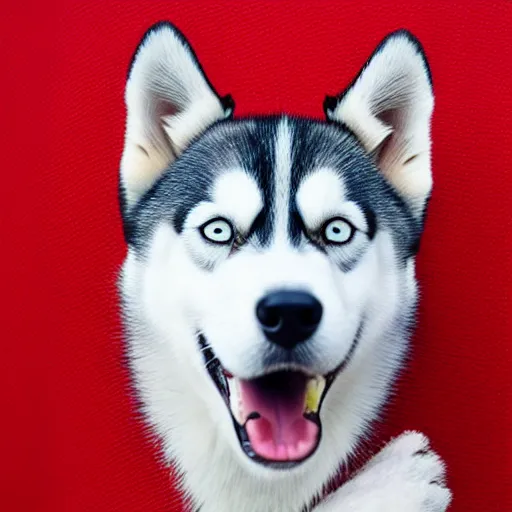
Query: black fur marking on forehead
column 250, row 144
column 259, row 160
column 371, row 222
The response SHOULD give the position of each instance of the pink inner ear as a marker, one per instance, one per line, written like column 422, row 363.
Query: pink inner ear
column 164, row 108
column 389, row 151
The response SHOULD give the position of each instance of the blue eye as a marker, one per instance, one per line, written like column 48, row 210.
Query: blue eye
column 338, row 231
column 218, row 231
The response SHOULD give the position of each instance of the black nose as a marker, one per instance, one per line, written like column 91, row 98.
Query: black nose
column 288, row 317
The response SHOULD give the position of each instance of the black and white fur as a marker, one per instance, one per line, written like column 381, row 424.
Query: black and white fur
column 277, row 179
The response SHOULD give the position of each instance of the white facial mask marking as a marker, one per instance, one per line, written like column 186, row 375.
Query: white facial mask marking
column 283, row 170
column 237, row 196
column 321, row 196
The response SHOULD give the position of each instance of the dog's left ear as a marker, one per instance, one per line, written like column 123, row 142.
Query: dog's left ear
column 389, row 107
column 169, row 102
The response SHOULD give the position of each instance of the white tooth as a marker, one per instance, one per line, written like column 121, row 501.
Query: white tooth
column 234, row 400
column 314, row 391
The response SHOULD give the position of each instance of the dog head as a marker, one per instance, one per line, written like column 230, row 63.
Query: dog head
column 270, row 275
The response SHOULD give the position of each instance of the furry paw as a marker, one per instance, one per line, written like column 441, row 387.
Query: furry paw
column 406, row 476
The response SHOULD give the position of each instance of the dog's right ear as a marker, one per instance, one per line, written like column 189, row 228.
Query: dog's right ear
column 388, row 108
column 169, row 102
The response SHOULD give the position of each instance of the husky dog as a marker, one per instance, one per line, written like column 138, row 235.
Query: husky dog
column 269, row 287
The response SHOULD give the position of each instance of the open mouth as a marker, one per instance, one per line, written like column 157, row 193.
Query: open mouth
column 276, row 416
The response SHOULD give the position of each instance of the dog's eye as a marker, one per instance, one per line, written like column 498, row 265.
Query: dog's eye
column 337, row 231
column 218, row 231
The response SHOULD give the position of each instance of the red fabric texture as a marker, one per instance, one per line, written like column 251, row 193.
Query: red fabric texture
column 70, row 438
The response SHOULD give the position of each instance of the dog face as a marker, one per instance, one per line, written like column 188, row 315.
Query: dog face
column 271, row 260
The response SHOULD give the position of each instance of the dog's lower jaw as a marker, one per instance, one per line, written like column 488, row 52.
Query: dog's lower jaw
column 215, row 473
column 199, row 439
column 219, row 477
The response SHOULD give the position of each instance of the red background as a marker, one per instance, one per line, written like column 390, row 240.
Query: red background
column 71, row 439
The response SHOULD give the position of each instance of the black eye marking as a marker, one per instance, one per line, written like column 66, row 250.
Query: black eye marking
column 371, row 221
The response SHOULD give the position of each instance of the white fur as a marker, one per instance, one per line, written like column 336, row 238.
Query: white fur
column 321, row 196
column 397, row 479
column 283, row 157
column 393, row 98
column 239, row 197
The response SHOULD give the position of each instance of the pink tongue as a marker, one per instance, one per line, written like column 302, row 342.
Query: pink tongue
column 281, row 432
